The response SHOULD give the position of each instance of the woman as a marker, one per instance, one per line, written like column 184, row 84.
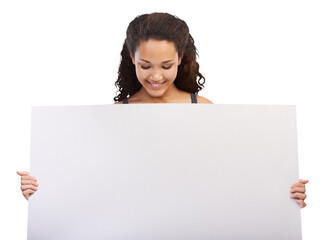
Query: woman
column 158, row 65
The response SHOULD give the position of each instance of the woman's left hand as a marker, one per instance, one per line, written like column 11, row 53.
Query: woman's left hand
column 298, row 192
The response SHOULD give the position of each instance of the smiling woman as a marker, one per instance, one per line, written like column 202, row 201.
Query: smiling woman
column 158, row 65
column 158, row 62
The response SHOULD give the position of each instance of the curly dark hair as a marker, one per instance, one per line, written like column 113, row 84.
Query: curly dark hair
column 159, row 26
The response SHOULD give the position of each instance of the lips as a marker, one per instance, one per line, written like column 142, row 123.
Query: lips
column 155, row 85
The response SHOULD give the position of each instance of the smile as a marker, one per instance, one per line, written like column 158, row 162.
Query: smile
column 155, row 86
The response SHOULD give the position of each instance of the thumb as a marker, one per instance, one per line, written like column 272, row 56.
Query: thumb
column 304, row 181
column 23, row 173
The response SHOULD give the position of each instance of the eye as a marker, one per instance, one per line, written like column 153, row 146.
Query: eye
column 167, row 67
column 164, row 67
column 144, row 67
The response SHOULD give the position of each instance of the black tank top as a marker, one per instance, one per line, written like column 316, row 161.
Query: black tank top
column 193, row 98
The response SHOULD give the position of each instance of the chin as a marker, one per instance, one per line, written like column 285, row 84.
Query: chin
column 155, row 94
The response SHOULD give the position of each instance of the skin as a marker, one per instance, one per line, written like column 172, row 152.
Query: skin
column 153, row 54
column 28, row 183
column 298, row 192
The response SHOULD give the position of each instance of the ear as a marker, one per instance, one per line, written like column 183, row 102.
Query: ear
column 180, row 58
column 131, row 55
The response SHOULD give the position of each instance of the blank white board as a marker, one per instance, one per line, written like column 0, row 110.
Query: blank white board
column 164, row 171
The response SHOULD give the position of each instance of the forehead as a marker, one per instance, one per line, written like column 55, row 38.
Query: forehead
column 156, row 50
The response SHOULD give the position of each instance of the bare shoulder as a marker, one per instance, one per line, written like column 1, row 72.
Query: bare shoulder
column 203, row 100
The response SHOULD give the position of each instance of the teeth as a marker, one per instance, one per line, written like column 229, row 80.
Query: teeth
column 155, row 85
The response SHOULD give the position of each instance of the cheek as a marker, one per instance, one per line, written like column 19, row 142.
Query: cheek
column 171, row 73
column 140, row 74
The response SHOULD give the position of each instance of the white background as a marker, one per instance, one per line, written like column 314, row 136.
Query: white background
column 251, row 52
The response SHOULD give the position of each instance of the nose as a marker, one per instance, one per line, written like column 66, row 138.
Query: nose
column 156, row 76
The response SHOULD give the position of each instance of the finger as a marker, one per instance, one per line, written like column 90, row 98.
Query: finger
column 302, row 203
column 298, row 189
column 23, row 173
column 28, row 178
column 27, row 193
column 26, row 182
column 298, row 185
column 300, row 196
column 303, row 181
column 25, row 187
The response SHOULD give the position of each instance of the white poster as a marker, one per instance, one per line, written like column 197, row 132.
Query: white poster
column 164, row 171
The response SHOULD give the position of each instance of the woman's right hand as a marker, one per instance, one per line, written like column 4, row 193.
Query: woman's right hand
column 28, row 184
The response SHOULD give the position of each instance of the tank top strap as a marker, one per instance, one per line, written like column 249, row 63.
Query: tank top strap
column 194, row 98
column 125, row 101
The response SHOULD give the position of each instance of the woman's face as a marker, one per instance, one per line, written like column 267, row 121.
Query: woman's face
column 156, row 63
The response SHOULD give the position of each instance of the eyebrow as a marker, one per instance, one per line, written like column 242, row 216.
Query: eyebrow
column 162, row 62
